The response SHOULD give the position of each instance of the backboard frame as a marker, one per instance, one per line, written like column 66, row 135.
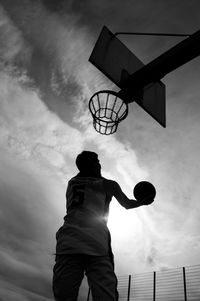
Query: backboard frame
column 118, row 63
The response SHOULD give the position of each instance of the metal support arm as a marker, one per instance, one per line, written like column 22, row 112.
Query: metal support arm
column 170, row 60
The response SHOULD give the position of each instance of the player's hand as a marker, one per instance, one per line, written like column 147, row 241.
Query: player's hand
column 147, row 201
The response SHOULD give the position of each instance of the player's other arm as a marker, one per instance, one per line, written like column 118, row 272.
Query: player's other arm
column 115, row 190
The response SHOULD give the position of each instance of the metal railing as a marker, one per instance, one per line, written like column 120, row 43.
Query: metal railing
column 180, row 284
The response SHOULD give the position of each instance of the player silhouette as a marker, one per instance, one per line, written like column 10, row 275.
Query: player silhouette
column 83, row 242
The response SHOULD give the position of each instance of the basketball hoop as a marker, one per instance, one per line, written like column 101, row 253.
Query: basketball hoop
column 107, row 110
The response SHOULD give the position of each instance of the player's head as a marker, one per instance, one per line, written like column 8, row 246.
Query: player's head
column 88, row 163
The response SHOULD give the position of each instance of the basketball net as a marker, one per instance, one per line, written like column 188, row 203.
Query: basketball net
column 107, row 110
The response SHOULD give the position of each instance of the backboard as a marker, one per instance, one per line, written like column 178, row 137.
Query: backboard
column 117, row 62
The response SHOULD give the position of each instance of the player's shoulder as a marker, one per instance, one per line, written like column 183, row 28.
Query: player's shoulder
column 110, row 182
column 75, row 181
column 85, row 180
column 110, row 186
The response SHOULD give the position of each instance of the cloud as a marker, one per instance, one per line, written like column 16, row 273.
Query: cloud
column 12, row 292
column 13, row 47
column 30, row 130
column 27, row 240
column 59, row 64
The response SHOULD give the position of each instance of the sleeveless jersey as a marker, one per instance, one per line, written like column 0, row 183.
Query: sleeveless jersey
column 85, row 225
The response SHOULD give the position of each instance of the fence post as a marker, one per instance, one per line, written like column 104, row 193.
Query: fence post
column 154, row 286
column 129, row 287
column 184, row 284
column 88, row 296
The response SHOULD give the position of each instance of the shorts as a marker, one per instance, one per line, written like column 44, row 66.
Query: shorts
column 69, row 271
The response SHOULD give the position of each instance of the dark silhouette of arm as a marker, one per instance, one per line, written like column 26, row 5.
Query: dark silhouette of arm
column 113, row 189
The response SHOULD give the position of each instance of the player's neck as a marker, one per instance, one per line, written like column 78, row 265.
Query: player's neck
column 89, row 174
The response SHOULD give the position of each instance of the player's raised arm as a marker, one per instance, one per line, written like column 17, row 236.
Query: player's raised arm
column 144, row 192
column 113, row 189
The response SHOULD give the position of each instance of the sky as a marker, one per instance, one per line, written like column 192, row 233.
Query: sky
column 45, row 84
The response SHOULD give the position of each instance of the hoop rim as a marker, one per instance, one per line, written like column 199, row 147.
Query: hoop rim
column 116, row 95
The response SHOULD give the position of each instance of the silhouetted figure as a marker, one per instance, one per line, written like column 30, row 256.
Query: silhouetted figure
column 83, row 242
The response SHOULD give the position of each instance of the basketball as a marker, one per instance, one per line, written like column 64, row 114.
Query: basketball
column 144, row 191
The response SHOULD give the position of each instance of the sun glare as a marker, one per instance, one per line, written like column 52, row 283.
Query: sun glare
column 123, row 223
